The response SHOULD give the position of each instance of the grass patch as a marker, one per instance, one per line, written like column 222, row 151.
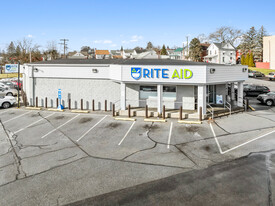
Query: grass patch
column 264, row 71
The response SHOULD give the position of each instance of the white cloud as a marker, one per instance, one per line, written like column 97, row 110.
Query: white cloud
column 30, row 36
column 97, row 41
column 113, row 45
column 107, row 42
column 136, row 38
column 124, row 42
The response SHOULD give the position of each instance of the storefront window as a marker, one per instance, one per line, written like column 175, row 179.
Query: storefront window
column 151, row 91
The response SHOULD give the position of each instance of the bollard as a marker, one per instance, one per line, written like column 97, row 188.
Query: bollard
column 163, row 112
column 200, row 114
column 93, row 105
column 81, row 104
column 36, row 101
column 105, row 105
column 180, row 112
column 46, row 102
column 146, row 111
column 56, row 102
column 247, row 104
column 69, row 103
column 114, row 110
column 129, row 110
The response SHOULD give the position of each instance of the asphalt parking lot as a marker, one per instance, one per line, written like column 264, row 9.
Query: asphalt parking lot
column 92, row 154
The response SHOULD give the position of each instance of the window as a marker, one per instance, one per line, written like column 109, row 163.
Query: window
column 223, row 53
column 210, row 52
column 151, row 91
column 215, row 52
column 223, row 59
column 231, row 53
column 231, row 58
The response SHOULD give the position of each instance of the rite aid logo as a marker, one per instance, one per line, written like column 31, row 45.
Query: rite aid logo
column 163, row 73
column 136, row 72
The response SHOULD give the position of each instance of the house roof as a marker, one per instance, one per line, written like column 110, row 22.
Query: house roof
column 102, row 52
column 221, row 45
column 179, row 50
column 125, row 62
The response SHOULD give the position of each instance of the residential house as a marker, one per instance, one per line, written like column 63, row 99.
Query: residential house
column 177, row 54
column 102, row 54
column 221, row 53
column 116, row 54
column 129, row 54
column 77, row 55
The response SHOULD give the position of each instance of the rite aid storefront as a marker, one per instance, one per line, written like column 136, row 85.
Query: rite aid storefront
column 173, row 83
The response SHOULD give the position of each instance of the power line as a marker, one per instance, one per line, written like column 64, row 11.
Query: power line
column 65, row 45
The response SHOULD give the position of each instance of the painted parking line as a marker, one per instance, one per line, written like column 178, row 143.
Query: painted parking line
column 20, row 130
column 127, row 133
column 170, row 133
column 17, row 117
column 91, row 128
column 238, row 146
column 59, row 126
column 215, row 137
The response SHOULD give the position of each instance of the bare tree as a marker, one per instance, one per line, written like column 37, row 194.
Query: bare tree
column 226, row 34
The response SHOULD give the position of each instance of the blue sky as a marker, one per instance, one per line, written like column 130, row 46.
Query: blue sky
column 109, row 24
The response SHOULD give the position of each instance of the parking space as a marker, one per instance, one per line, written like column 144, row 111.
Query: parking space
column 47, row 139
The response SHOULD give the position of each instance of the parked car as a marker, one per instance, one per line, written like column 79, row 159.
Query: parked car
column 9, row 84
column 7, row 101
column 254, row 90
column 7, row 91
column 254, row 74
column 268, row 99
column 271, row 75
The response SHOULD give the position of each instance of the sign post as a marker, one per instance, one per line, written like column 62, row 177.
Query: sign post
column 18, row 83
column 60, row 106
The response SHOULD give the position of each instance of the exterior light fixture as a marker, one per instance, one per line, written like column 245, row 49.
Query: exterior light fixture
column 244, row 69
column 212, row 70
column 95, row 70
column 35, row 70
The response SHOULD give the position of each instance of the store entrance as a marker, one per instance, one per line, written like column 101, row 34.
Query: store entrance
column 211, row 94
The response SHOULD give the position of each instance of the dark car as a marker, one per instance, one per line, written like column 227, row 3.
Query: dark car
column 268, row 99
column 254, row 90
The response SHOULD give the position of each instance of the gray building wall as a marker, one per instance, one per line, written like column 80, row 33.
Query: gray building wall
column 77, row 89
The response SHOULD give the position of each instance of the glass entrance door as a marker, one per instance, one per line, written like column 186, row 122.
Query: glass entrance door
column 211, row 94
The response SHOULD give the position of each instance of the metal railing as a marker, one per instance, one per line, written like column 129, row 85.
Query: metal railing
column 211, row 111
column 228, row 106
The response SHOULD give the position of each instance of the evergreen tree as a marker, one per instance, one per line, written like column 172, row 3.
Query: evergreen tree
column 163, row 50
column 243, row 59
column 247, row 57
column 249, row 41
column 251, row 60
column 149, row 45
column 11, row 49
column 195, row 50
column 261, row 33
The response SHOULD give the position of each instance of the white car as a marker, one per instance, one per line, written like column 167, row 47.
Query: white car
column 7, row 101
column 271, row 75
column 7, row 91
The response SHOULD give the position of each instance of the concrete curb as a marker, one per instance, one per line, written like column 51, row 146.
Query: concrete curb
column 124, row 119
column 155, row 120
column 80, row 111
column 33, row 108
column 189, row 122
column 56, row 110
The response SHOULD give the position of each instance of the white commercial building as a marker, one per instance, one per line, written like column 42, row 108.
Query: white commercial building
column 269, row 50
column 173, row 83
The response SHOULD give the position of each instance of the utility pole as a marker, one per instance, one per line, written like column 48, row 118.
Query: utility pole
column 187, row 47
column 65, row 45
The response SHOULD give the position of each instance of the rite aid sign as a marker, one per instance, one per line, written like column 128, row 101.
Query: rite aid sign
column 11, row 68
column 160, row 73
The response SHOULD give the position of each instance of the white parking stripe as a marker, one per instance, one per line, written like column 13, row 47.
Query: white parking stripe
column 233, row 148
column 127, row 133
column 252, row 140
column 59, row 126
column 91, row 128
column 169, row 138
column 17, row 117
column 218, row 144
column 20, row 130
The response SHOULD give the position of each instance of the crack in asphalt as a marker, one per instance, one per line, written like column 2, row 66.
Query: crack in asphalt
column 222, row 128
column 268, row 164
column 17, row 158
